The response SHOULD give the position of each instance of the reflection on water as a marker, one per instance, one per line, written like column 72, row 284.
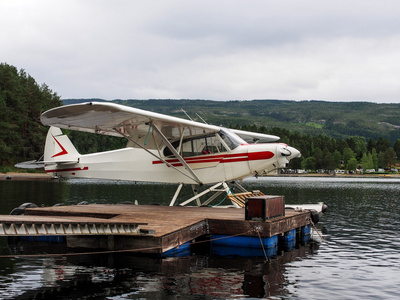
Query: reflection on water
column 361, row 254
column 359, row 258
column 123, row 276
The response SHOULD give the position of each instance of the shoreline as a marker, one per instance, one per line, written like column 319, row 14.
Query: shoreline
column 16, row 176
column 341, row 175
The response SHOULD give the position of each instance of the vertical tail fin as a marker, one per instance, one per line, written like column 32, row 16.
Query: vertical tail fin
column 59, row 148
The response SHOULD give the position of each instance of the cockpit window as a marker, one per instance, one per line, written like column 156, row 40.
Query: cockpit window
column 213, row 143
column 220, row 142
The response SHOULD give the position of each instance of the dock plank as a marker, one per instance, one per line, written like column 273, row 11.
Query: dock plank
column 167, row 219
column 173, row 225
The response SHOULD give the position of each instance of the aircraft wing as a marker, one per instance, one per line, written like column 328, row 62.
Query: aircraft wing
column 104, row 118
column 254, row 137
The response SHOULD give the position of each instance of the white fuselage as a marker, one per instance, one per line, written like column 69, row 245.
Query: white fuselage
column 137, row 165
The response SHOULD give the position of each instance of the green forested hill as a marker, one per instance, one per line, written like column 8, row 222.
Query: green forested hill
column 338, row 120
column 326, row 133
column 22, row 101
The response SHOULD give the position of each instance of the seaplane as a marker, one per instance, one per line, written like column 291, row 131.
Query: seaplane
column 160, row 148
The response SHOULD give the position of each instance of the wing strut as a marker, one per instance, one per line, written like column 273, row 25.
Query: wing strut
column 148, row 151
column 177, row 155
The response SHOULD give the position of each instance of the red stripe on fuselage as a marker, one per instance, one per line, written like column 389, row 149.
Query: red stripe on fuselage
column 228, row 158
column 261, row 155
column 193, row 160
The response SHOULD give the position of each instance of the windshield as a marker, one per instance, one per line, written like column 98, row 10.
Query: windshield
column 231, row 139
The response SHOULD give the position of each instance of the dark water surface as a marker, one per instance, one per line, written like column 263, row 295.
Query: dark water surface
column 359, row 257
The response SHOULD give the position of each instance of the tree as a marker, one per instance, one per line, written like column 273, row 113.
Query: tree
column 382, row 144
column 396, row 147
column 318, row 155
column 389, row 157
column 309, row 163
column 358, row 145
column 347, row 155
column 352, row 164
column 367, row 162
column 295, row 163
column 337, row 158
column 328, row 160
column 341, row 145
column 371, row 145
column 374, row 159
column 22, row 101
column 381, row 160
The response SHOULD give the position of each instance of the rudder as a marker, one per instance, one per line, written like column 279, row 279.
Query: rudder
column 59, row 148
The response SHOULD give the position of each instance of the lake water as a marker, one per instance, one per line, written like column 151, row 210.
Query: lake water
column 358, row 258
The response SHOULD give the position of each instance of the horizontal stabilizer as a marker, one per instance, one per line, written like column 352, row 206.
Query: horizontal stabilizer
column 30, row 164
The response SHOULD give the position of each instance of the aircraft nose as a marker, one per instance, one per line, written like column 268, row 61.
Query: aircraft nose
column 295, row 153
column 290, row 152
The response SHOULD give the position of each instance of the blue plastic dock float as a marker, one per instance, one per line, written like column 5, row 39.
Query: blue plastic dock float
column 244, row 241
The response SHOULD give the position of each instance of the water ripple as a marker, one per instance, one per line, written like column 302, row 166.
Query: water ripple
column 358, row 258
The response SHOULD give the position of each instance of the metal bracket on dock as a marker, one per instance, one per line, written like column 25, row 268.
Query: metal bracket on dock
column 40, row 229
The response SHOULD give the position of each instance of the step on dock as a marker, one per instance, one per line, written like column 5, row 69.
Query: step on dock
column 145, row 228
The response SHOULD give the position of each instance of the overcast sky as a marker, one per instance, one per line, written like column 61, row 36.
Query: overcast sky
column 219, row 50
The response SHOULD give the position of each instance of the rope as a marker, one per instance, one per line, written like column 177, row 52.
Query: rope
column 262, row 245
column 76, row 254
column 110, row 251
column 315, row 228
column 229, row 191
column 220, row 202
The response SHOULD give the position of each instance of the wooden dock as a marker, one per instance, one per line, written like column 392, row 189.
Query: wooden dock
column 153, row 228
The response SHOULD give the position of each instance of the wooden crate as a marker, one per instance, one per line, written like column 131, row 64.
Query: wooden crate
column 261, row 208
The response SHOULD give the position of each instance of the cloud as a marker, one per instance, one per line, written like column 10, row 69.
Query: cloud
column 341, row 50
